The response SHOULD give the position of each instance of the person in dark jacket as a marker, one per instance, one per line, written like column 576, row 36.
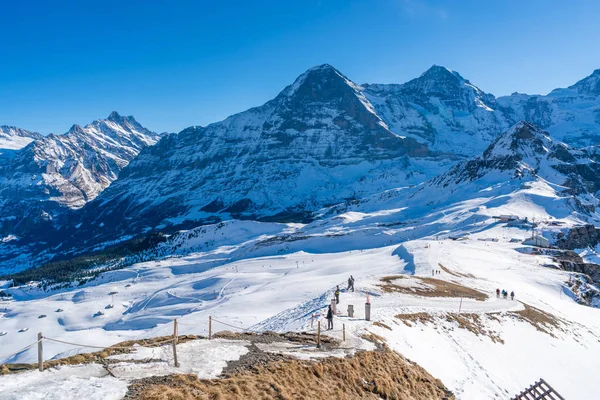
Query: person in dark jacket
column 512, row 295
column 329, row 318
column 498, row 293
column 352, row 280
column 337, row 295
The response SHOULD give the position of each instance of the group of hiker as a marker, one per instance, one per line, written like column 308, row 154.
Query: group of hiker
column 337, row 301
column 504, row 294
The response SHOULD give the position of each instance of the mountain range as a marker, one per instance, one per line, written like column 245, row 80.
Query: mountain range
column 57, row 173
column 324, row 140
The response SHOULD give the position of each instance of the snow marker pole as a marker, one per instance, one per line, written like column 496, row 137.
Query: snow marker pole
column 175, row 342
column 209, row 327
column 460, row 306
column 343, row 332
column 318, row 334
column 40, row 352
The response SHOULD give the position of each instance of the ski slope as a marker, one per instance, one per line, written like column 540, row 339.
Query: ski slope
column 262, row 276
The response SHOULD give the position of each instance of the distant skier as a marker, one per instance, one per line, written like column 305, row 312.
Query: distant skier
column 337, row 295
column 498, row 293
column 512, row 295
column 329, row 318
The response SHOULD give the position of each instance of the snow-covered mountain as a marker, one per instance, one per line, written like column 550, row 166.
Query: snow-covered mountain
column 451, row 115
column 319, row 142
column 440, row 108
column 571, row 115
column 524, row 153
column 13, row 138
column 60, row 172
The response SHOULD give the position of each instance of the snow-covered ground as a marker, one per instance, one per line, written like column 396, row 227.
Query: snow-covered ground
column 276, row 277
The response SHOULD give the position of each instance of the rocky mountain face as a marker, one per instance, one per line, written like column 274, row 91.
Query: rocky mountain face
column 318, row 142
column 58, row 172
column 13, row 138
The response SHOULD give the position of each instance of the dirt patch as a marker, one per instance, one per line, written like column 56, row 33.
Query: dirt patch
column 541, row 320
column 382, row 325
column 430, row 287
column 366, row 375
column 98, row 357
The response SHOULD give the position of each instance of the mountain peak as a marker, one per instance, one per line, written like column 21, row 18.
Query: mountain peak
column 317, row 81
column 589, row 85
column 522, row 139
column 114, row 116
column 439, row 71
column 76, row 129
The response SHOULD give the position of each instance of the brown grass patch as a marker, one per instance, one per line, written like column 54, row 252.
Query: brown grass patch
column 410, row 319
column 436, row 288
column 382, row 325
column 366, row 375
column 97, row 357
column 374, row 338
column 473, row 324
column 470, row 322
column 541, row 320
column 457, row 274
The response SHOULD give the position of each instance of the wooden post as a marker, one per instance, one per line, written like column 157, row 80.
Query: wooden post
column 319, row 334
column 175, row 343
column 40, row 353
column 312, row 319
column 209, row 327
column 343, row 332
column 460, row 306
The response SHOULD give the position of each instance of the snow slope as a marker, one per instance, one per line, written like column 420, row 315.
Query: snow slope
column 13, row 138
column 276, row 276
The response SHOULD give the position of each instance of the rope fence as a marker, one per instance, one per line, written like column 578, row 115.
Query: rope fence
column 315, row 318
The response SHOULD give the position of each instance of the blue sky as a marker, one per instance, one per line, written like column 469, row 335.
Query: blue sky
column 173, row 64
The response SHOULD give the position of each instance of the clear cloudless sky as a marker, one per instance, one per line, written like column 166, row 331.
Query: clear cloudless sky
column 174, row 64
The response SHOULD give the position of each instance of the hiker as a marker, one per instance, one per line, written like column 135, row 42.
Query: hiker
column 349, row 283
column 512, row 295
column 337, row 295
column 352, row 281
column 497, row 293
column 504, row 293
column 329, row 318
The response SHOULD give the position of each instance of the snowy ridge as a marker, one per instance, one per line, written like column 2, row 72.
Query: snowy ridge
column 58, row 172
column 13, row 138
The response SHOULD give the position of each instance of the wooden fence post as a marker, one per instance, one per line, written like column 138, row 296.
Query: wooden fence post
column 319, row 334
column 175, row 342
column 40, row 352
column 343, row 332
column 209, row 327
